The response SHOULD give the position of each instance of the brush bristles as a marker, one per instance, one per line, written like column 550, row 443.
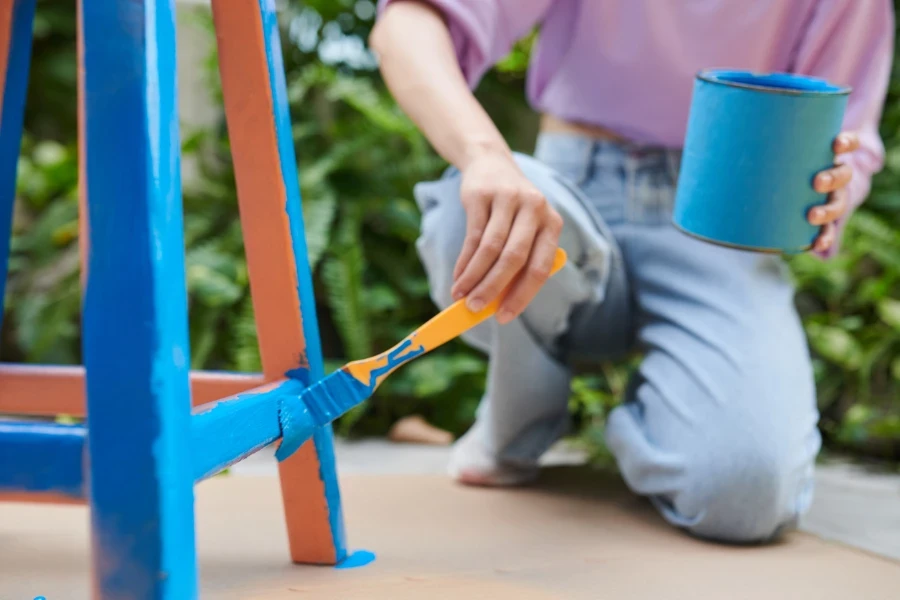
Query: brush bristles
column 331, row 397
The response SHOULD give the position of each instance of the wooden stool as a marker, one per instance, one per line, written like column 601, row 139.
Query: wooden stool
column 142, row 449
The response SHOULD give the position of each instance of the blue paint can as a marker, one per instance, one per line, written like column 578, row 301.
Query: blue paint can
column 754, row 144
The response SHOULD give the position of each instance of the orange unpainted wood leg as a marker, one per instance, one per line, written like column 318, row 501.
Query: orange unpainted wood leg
column 313, row 544
column 262, row 175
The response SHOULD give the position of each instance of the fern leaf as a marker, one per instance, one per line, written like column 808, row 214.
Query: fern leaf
column 318, row 216
column 342, row 274
column 245, row 346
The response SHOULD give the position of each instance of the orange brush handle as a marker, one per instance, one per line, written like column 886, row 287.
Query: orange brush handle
column 451, row 322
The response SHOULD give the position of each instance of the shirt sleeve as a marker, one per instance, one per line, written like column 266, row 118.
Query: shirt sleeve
column 484, row 31
column 851, row 42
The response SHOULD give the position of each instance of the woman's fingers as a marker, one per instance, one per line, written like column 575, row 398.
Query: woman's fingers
column 533, row 276
column 826, row 238
column 510, row 261
column 491, row 244
column 847, row 141
column 833, row 210
column 832, row 179
column 477, row 214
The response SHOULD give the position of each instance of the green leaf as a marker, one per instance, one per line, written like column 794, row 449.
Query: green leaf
column 245, row 347
column 318, row 215
column 836, row 345
column 889, row 311
column 211, row 287
column 434, row 374
column 342, row 274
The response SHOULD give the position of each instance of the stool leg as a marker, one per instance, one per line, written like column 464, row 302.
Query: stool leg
column 259, row 126
column 135, row 318
column 16, row 18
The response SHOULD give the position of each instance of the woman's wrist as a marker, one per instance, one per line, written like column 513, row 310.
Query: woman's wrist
column 478, row 147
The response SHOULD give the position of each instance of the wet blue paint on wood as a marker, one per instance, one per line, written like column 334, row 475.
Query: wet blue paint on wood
column 297, row 426
column 12, row 112
column 322, row 437
column 318, row 406
column 42, row 457
column 135, row 317
column 233, row 429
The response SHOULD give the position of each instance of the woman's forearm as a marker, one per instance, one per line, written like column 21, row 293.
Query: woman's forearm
column 419, row 65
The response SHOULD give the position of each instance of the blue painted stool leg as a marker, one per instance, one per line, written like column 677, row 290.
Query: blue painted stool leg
column 323, row 437
column 43, row 458
column 16, row 19
column 135, row 318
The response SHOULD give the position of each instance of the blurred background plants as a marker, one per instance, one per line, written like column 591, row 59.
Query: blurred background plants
column 359, row 158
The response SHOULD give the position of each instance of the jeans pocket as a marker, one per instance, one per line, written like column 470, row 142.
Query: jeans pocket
column 607, row 193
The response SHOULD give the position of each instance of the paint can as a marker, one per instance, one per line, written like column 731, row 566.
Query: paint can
column 754, row 144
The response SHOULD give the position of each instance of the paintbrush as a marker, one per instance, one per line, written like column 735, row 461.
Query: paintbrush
column 336, row 394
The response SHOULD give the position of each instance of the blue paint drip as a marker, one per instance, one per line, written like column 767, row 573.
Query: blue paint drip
column 359, row 558
column 297, row 426
column 11, row 118
column 322, row 437
column 135, row 309
column 232, row 430
column 42, row 457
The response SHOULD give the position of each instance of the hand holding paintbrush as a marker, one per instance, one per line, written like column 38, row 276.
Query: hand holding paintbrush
column 325, row 401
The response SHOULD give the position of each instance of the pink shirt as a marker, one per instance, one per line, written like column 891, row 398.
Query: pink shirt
column 629, row 65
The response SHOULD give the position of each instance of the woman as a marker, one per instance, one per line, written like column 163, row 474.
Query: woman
column 719, row 426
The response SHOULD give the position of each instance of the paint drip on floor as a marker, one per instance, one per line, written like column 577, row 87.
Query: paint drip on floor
column 360, row 558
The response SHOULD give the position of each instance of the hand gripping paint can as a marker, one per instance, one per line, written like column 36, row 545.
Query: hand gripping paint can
column 754, row 144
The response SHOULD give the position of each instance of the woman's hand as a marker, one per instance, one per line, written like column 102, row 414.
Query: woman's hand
column 512, row 234
column 833, row 182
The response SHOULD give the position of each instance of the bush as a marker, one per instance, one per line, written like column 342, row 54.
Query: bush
column 359, row 158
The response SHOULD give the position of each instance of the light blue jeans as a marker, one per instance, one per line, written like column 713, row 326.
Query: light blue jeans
column 718, row 428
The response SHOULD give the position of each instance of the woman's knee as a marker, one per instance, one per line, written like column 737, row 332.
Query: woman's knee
column 743, row 490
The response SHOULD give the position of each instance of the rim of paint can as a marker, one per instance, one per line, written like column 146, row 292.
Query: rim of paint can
column 773, row 83
column 733, row 246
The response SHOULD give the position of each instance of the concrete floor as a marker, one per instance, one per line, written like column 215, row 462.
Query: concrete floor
column 574, row 535
column 852, row 506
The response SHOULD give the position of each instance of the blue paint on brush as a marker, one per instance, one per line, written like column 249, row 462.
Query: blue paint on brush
column 395, row 359
column 333, row 396
column 322, row 436
column 359, row 558
column 328, row 399
column 12, row 113
column 318, row 405
column 42, row 457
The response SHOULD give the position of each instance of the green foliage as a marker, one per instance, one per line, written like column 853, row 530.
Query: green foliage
column 359, row 158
